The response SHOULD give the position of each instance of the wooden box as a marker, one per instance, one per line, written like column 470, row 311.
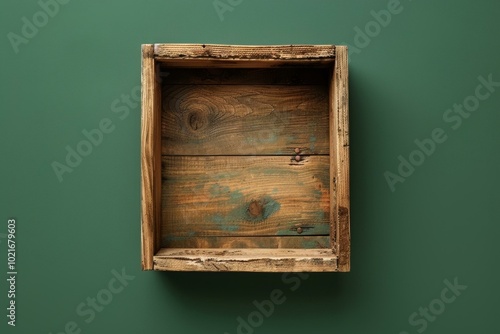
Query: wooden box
column 245, row 158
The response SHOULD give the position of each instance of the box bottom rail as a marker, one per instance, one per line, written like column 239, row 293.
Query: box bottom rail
column 245, row 260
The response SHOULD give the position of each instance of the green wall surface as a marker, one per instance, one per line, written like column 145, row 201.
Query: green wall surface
column 424, row 113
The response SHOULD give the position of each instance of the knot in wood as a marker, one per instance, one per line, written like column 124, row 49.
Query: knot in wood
column 255, row 208
column 196, row 120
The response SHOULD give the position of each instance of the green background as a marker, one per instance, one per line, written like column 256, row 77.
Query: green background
column 441, row 223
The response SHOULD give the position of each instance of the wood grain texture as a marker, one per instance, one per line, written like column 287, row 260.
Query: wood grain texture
column 249, row 260
column 339, row 154
column 244, row 52
column 245, row 119
column 245, row 76
column 150, row 160
column 300, row 242
column 252, row 196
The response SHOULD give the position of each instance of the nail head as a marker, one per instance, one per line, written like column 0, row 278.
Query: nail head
column 297, row 158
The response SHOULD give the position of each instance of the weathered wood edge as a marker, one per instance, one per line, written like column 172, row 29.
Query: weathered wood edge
column 157, row 109
column 339, row 154
column 243, row 52
column 340, row 180
column 246, row 260
column 150, row 159
column 333, row 162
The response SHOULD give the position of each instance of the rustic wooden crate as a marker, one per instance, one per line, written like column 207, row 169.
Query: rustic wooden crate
column 245, row 158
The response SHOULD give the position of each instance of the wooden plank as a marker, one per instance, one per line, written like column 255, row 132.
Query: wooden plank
column 245, row 120
column 253, row 196
column 339, row 160
column 244, row 76
column 157, row 108
column 249, row 260
column 150, row 160
column 244, row 52
column 301, row 242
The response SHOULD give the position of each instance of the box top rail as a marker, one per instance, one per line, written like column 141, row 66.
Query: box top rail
column 244, row 52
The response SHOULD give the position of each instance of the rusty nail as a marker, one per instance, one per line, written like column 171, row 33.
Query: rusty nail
column 299, row 230
column 297, row 158
column 297, row 150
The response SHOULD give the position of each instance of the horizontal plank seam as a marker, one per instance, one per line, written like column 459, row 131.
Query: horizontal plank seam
column 246, row 155
column 245, row 58
column 244, row 259
column 243, row 84
column 250, row 236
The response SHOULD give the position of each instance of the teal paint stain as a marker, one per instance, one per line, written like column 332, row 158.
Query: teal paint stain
column 261, row 136
column 319, row 215
column 222, row 176
column 267, row 137
column 222, row 222
column 218, row 190
column 283, row 232
column 312, row 140
column 271, row 171
column 274, row 191
column 230, row 221
column 323, row 228
column 317, row 193
column 309, row 244
column 270, row 207
column 217, row 218
column 230, row 228
column 235, row 196
column 324, row 178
